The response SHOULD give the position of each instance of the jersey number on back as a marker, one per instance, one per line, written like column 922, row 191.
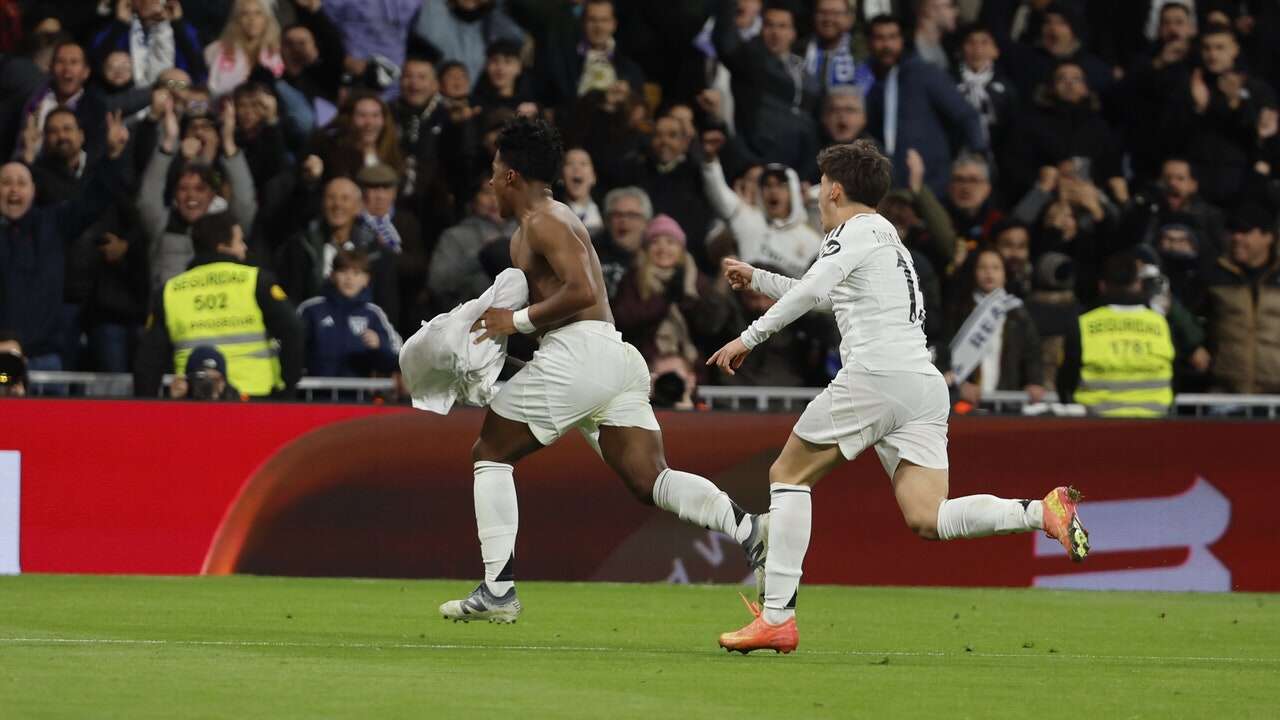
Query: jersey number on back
column 916, row 312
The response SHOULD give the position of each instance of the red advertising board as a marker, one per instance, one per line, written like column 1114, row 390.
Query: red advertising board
column 173, row 488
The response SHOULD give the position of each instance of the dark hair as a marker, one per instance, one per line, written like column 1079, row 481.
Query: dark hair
column 882, row 19
column 351, row 260
column 503, row 48
column 61, row 110
column 1175, row 5
column 532, row 147
column 1120, row 270
column 784, row 5
column 212, row 231
column 612, row 6
column 860, row 168
column 1006, row 225
column 207, row 174
column 69, row 42
column 1218, row 29
column 1191, row 167
column 972, row 29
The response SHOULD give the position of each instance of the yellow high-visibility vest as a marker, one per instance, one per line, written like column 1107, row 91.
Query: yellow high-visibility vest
column 1126, row 362
column 216, row 304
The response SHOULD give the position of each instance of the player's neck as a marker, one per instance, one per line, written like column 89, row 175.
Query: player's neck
column 534, row 197
column 844, row 213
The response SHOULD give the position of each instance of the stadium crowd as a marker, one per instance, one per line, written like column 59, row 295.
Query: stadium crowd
column 350, row 141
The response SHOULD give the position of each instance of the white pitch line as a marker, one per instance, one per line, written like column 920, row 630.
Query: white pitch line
column 588, row 649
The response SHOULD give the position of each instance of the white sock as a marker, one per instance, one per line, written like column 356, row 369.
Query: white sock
column 497, row 518
column 976, row 516
column 790, row 518
column 697, row 500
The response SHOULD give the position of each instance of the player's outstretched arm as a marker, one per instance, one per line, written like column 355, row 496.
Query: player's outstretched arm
column 804, row 295
column 742, row 275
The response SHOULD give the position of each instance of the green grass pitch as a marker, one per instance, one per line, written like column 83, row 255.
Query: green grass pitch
column 243, row 647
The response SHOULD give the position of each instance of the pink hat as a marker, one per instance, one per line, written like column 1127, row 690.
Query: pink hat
column 664, row 225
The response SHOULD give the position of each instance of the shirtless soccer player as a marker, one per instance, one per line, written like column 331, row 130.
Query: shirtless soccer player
column 583, row 376
column 887, row 394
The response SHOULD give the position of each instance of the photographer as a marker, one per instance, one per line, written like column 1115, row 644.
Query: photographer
column 205, row 378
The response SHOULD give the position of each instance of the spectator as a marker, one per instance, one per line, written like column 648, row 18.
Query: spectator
column 628, row 211
column 258, row 133
column 1100, row 369
column 307, row 258
column 1065, row 122
column 985, row 85
column 830, row 61
column 601, row 123
column 592, row 64
column 312, row 52
column 363, row 134
column 923, row 226
column 1191, row 357
column 421, row 118
column 673, row 383
column 776, row 233
column 1216, row 115
column 118, row 291
column 1054, row 309
column 773, row 102
column 198, row 192
column 373, row 32
column 748, row 23
column 13, row 373
column 235, row 308
column 1012, row 240
column 1062, row 230
column 157, row 39
column 250, row 40
column 1151, row 81
column 673, row 182
column 62, row 164
column 68, row 76
column 1179, row 243
column 969, row 202
column 462, row 30
column 504, row 83
column 1059, row 42
column 1242, row 292
column 844, row 117
column 579, row 181
column 935, row 22
column 346, row 334
column 994, row 343
column 117, row 88
column 664, row 303
column 455, row 272
column 205, row 378
column 32, row 248
column 399, row 235
column 914, row 106
column 1177, row 201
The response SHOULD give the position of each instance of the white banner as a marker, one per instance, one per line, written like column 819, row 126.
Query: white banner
column 10, row 515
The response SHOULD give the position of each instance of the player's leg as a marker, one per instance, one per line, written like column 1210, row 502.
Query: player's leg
column 800, row 466
column 636, row 454
column 501, row 444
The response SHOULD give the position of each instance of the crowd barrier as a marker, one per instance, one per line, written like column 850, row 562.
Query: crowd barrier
column 342, row 490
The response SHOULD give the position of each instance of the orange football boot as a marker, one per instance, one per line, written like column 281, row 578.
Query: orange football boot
column 760, row 635
column 1062, row 522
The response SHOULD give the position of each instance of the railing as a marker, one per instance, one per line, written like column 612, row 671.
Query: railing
column 760, row 399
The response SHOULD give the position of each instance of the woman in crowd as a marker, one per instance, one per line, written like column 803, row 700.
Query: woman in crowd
column 250, row 39
column 994, row 343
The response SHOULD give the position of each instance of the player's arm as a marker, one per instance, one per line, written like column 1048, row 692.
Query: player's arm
column 571, row 264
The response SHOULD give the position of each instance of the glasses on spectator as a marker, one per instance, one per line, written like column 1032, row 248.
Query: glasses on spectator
column 968, row 179
column 175, row 85
column 627, row 215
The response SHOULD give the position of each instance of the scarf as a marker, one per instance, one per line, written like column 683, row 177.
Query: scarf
column 152, row 52
column 973, row 86
column 383, row 229
column 598, row 72
column 976, row 339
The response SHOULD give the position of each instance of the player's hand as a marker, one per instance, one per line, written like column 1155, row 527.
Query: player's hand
column 494, row 324
column 738, row 273
column 730, row 357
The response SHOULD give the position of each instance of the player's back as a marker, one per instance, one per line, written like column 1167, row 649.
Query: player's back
column 879, row 306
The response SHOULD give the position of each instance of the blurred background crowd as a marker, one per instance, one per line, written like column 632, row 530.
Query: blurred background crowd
column 349, row 143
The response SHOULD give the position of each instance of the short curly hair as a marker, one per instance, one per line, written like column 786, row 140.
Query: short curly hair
column 532, row 147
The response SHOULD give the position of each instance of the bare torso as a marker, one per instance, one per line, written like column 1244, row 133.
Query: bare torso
column 543, row 281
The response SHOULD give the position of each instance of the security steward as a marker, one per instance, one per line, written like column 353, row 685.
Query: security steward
column 1118, row 360
column 236, row 308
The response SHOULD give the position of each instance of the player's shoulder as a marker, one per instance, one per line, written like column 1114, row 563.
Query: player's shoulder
column 552, row 223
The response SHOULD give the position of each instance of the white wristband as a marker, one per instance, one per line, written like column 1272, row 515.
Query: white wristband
column 522, row 322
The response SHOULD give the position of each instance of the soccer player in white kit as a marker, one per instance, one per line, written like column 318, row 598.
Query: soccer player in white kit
column 887, row 394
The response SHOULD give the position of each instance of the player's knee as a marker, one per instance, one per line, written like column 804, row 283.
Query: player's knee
column 481, row 451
